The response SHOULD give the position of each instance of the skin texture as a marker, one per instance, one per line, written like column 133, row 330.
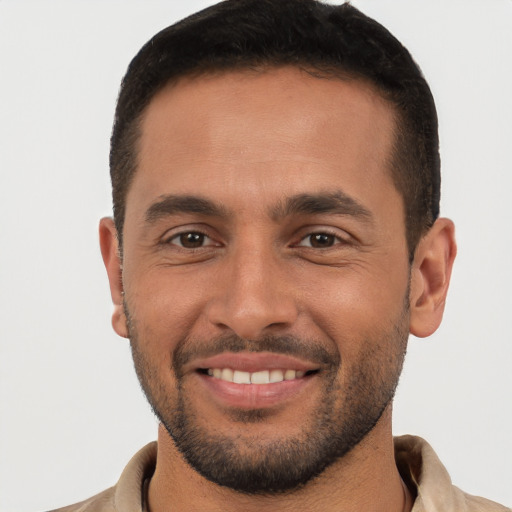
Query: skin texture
column 250, row 267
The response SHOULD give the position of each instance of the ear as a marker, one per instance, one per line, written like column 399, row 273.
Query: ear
column 110, row 252
column 430, row 277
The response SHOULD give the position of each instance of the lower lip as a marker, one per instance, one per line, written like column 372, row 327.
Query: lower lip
column 253, row 396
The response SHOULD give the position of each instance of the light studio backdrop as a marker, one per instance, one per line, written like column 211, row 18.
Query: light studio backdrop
column 71, row 412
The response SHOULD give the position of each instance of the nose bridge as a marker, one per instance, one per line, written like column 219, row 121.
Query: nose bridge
column 256, row 295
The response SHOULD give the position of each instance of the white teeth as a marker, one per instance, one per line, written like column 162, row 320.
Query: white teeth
column 227, row 374
column 289, row 374
column 276, row 376
column 261, row 377
column 241, row 377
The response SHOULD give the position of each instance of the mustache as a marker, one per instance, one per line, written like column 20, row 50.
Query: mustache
column 188, row 350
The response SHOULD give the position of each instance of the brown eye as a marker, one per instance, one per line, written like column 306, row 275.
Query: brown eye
column 322, row 240
column 319, row 241
column 191, row 240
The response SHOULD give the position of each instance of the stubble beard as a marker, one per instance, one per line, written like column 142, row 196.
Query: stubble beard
column 346, row 413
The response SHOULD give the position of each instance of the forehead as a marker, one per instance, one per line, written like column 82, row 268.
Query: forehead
column 282, row 130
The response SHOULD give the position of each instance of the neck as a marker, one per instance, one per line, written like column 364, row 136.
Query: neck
column 366, row 479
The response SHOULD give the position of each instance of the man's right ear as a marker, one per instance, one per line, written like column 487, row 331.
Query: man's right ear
column 110, row 252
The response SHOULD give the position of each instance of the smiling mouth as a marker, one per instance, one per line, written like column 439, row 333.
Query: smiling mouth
column 260, row 377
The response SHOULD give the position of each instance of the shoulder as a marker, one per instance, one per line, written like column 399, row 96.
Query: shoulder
column 102, row 502
column 478, row 504
column 128, row 494
column 427, row 477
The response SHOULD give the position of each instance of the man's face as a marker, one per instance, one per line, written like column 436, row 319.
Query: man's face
column 266, row 273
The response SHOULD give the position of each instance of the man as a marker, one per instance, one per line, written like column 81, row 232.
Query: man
column 276, row 237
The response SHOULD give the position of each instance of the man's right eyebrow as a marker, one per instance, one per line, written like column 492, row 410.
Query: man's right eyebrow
column 173, row 204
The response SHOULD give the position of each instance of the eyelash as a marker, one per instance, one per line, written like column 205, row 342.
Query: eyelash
column 177, row 236
column 331, row 237
column 334, row 238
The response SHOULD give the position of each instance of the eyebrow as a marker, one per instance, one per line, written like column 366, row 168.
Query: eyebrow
column 337, row 203
column 172, row 204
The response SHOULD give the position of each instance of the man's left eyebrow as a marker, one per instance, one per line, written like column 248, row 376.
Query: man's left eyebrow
column 174, row 204
column 338, row 203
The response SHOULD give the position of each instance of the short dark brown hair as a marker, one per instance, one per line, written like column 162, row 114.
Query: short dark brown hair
column 327, row 40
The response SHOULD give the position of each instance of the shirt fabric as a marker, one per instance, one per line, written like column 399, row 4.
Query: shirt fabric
column 417, row 462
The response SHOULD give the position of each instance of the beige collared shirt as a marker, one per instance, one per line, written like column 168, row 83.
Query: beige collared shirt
column 416, row 460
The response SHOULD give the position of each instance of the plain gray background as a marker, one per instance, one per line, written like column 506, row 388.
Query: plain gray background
column 71, row 413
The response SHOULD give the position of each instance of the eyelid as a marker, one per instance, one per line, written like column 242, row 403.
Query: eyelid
column 302, row 241
column 171, row 234
column 174, row 240
column 342, row 237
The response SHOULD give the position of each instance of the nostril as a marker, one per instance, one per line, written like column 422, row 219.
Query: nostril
column 250, row 314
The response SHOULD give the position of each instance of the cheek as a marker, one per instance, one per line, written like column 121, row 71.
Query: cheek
column 165, row 309
column 355, row 306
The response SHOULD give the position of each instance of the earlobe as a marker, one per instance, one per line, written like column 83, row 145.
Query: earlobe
column 430, row 277
column 111, row 258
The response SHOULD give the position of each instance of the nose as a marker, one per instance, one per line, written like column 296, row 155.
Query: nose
column 255, row 295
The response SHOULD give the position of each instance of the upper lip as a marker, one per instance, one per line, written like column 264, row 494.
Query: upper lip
column 252, row 362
